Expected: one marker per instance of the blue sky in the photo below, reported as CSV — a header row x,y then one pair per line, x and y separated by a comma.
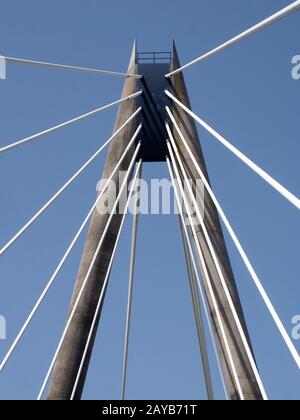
x,y
245,92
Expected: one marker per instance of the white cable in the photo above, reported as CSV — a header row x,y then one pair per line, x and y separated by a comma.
x,y
204,303
73,120
209,321
130,288
207,277
249,266
197,310
218,267
66,329
265,23
101,298
67,67
64,187
264,175
62,262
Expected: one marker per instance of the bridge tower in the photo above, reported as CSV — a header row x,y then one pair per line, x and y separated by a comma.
x,y
153,67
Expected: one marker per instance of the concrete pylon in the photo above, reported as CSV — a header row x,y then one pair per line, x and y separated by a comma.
x,y
70,356
245,373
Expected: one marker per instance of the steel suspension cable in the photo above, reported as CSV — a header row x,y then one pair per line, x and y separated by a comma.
x,y
206,274
282,330
62,262
68,67
205,306
102,295
217,265
265,23
66,123
66,185
206,311
259,171
66,329
198,317
130,288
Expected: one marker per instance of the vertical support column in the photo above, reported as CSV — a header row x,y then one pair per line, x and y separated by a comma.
x,y
188,128
70,356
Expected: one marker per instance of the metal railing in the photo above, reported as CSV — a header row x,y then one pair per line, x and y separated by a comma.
x,y
154,57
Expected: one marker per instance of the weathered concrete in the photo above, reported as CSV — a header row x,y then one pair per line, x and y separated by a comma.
x,y
69,358
244,370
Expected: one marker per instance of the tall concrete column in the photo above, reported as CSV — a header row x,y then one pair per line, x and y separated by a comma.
x,y
70,356
245,373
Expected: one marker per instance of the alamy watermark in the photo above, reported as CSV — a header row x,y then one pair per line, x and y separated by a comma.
x,y
2,328
2,68
296,328
296,67
154,197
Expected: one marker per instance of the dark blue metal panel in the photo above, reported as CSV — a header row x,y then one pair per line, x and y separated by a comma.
x,y
153,101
